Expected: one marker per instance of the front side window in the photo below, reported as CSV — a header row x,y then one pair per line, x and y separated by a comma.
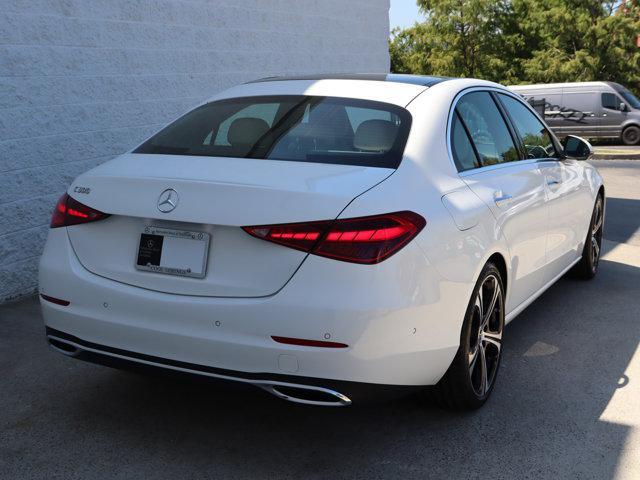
x,y
292,128
487,128
537,140
610,101
630,98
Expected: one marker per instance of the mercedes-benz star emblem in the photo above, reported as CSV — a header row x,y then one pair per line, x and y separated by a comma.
x,y
168,200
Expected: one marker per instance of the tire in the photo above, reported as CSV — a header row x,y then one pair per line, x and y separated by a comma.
x,y
631,135
464,387
587,267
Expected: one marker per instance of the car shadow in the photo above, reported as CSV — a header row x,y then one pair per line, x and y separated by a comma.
x,y
565,359
622,220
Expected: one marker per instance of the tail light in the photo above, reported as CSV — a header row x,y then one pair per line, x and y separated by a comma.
x,y
366,240
69,211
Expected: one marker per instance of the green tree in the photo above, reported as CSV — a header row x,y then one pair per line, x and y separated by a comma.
x,y
519,41
407,50
466,37
578,40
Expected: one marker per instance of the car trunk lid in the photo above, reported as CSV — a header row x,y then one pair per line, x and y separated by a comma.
x,y
213,196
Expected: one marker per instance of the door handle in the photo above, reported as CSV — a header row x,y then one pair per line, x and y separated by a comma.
x,y
553,181
502,199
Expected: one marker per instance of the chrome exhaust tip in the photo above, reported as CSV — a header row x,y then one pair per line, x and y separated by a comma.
x,y
307,394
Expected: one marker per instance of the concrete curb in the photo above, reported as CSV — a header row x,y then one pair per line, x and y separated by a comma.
x,y
616,152
614,156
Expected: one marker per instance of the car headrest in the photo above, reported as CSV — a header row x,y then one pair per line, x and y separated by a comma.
x,y
246,131
375,136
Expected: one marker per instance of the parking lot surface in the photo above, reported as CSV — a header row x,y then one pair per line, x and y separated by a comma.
x,y
567,402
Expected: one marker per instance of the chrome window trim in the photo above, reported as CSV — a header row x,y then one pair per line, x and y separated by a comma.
x,y
487,168
497,166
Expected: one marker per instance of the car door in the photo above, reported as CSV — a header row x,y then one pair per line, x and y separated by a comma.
x,y
563,184
510,186
580,107
611,118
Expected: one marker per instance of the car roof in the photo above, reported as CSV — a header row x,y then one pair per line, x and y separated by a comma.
x,y
421,80
387,88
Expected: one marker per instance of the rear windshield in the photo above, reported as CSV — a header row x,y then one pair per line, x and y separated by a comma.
x,y
292,128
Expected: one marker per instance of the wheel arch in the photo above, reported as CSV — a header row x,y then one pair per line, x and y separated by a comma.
x,y
602,192
501,259
631,122
625,126
501,264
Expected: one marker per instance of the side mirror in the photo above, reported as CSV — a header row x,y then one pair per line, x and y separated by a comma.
x,y
576,148
623,107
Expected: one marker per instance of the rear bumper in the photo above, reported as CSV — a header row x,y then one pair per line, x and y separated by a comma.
x,y
403,332
309,391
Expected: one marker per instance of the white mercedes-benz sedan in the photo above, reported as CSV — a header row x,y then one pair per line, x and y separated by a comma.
x,y
324,238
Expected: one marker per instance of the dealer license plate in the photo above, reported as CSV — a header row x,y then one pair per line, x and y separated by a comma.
x,y
173,252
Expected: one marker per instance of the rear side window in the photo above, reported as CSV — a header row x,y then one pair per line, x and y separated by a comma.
x,y
610,101
535,137
487,129
464,155
290,127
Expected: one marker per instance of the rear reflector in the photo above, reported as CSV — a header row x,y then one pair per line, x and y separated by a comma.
x,y
366,240
55,300
309,343
69,211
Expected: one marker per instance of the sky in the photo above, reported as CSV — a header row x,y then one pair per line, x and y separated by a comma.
x,y
403,13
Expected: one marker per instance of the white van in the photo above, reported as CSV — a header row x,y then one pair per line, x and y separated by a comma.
x,y
594,110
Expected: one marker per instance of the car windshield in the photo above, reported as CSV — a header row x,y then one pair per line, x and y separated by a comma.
x,y
630,98
288,127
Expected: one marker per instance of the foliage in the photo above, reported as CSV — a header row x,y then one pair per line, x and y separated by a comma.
x,y
522,41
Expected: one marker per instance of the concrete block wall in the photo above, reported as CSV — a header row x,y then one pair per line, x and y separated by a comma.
x,y
84,80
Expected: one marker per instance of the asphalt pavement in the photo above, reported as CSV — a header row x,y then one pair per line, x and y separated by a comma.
x,y
566,405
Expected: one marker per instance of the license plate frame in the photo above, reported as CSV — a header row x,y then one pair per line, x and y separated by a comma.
x,y
149,254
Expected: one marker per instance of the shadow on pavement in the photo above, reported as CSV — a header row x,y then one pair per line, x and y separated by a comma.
x,y
622,220
564,359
